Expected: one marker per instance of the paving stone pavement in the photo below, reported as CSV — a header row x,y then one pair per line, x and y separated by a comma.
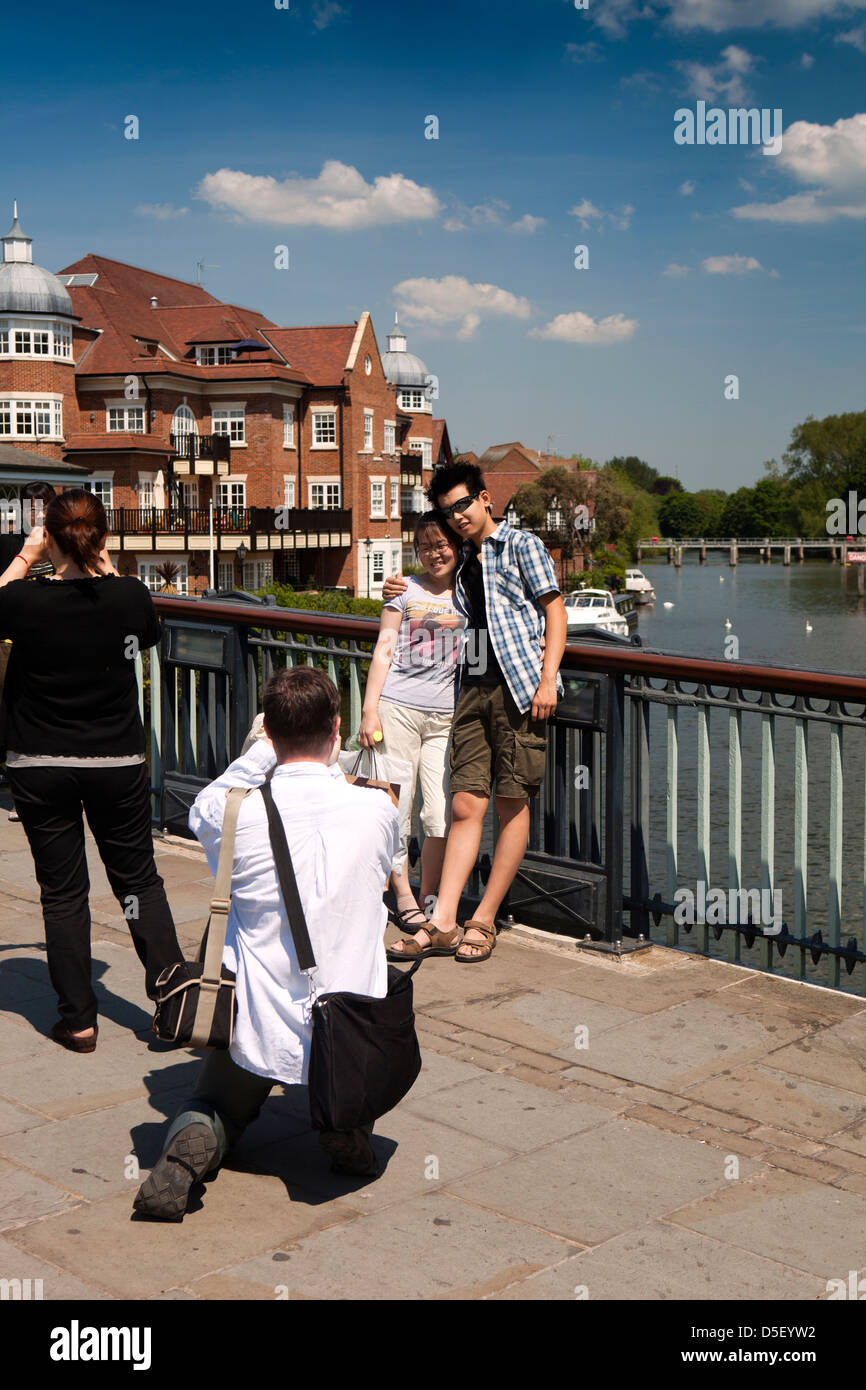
x,y
662,1127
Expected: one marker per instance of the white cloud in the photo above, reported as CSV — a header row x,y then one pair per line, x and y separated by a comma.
x,y
832,159
325,12
463,218
676,272
339,198
687,188
724,80
528,224
162,211
453,299
800,207
716,16
730,265
587,213
855,37
807,61
581,328
589,52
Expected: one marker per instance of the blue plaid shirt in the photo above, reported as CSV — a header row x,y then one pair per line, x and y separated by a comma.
x,y
517,571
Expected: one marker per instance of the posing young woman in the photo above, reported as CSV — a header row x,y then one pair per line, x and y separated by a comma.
x,y
75,742
409,701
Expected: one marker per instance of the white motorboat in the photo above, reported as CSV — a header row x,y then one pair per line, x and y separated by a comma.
x,y
636,583
586,609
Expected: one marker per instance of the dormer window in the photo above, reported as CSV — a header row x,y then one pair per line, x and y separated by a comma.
x,y
411,400
214,356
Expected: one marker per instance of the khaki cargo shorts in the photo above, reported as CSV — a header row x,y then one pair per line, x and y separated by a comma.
x,y
491,741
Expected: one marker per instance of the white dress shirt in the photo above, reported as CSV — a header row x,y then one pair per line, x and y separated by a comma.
x,y
342,840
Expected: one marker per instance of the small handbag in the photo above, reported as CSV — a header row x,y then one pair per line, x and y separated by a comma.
x,y
195,1000
357,779
364,1056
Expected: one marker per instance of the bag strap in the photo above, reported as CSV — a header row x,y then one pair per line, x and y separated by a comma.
x,y
288,882
357,763
215,932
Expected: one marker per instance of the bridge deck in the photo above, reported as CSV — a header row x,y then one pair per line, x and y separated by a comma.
x,y
520,1167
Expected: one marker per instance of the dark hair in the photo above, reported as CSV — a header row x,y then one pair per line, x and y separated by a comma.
x,y
434,520
76,522
300,705
38,492
449,475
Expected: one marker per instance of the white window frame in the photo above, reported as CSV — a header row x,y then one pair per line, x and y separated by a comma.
x,y
389,437
317,413
377,491
102,486
183,421
395,497
14,403
377,560
368,432
232,415
414,399
289,484
225,488
190,493
128,411
288,427
225,576
149,577
257,573
330,485
424,447
214,355
58,345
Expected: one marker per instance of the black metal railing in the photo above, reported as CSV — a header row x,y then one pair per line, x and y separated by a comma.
x,y
183,522
201,446
658,767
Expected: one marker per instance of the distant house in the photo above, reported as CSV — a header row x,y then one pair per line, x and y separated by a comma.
x,y
506,467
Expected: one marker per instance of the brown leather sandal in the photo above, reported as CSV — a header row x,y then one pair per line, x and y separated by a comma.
x,y
489,934
442,943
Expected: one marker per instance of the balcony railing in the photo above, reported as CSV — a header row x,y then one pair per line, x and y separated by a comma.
x,y
201,446
183,522
700,748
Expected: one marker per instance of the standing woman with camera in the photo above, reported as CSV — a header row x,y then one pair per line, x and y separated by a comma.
x,y
76,745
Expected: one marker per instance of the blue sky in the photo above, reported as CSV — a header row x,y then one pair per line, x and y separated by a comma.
x,y
305,127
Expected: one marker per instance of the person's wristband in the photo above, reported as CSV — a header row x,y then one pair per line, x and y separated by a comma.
x,y
19,556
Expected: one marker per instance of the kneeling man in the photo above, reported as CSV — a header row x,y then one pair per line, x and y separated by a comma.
x,y
343,840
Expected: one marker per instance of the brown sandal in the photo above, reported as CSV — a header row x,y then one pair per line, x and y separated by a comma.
x,y
489,934
442,943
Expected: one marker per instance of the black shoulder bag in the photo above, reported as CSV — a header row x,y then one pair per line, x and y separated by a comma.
x,y
365,1056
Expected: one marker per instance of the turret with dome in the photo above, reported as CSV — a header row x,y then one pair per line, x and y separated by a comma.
x,y
26,288
406,371
37,372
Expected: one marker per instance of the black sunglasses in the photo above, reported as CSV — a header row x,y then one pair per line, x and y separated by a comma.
x,y
462,506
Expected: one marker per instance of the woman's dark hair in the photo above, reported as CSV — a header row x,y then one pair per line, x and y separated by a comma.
x,y
300,704
38,492
77,524
434,521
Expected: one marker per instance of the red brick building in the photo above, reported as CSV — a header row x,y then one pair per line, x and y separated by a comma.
x,y
304,448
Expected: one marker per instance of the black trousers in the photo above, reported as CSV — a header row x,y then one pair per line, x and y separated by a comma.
x,y
116,800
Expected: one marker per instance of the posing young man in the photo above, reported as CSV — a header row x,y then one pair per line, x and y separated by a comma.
x,y
506,588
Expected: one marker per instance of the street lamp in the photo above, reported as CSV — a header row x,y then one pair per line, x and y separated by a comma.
x,y
241,553
369,546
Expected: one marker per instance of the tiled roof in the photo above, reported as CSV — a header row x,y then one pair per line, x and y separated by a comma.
x,y
320,352
13,457
496,455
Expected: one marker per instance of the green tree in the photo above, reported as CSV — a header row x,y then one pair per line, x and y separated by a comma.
x,y
643,475
559,502
680,516
831,452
